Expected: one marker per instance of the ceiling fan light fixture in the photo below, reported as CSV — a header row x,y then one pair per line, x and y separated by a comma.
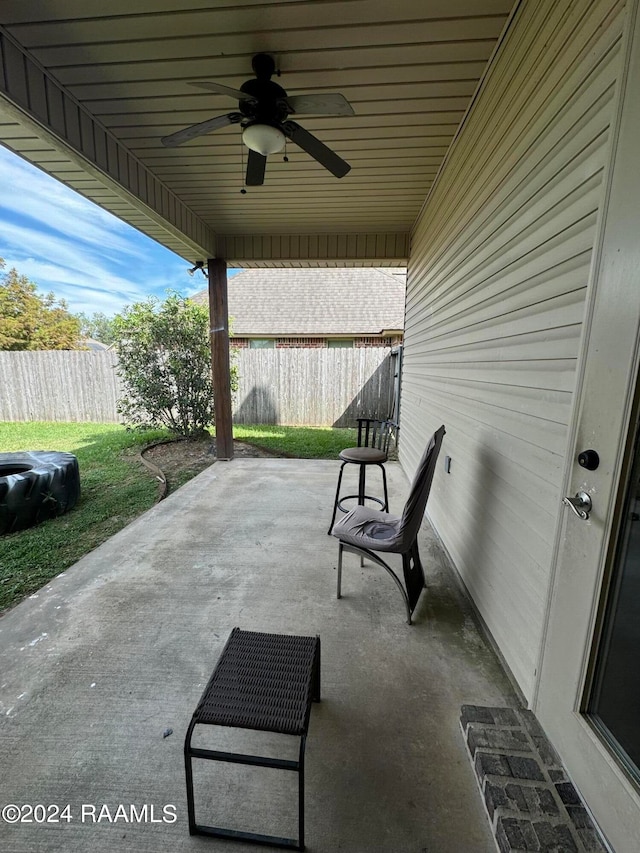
x,y
263,138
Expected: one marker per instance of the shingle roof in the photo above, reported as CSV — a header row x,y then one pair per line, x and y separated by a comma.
x,y
291,302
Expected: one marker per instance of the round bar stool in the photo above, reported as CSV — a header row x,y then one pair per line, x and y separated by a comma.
x,y
373,448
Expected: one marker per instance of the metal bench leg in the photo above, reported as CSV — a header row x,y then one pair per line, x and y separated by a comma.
x,y
257,761
191,812
303,743
316,674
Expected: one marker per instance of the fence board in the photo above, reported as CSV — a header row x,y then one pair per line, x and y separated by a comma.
x,y
322,387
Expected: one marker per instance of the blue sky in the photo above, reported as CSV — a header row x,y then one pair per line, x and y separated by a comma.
x,y
66,244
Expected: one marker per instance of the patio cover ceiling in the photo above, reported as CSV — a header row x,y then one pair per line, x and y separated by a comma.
x,y
88,89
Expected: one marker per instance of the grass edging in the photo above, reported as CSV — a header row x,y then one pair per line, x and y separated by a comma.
x,y
158,473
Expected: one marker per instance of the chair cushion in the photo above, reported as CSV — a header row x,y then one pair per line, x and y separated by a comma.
x,y
371,528
363,455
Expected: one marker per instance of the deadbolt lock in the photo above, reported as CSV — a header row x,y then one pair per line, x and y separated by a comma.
x,y
589,459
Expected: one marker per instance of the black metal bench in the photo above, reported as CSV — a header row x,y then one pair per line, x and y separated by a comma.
x,y
264,682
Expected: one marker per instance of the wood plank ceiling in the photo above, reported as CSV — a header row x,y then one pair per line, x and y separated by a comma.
x,y
408,67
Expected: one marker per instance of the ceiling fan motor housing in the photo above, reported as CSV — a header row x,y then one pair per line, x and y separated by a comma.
x,y
268,104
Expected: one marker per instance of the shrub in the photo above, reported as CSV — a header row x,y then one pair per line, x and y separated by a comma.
x,y
165,365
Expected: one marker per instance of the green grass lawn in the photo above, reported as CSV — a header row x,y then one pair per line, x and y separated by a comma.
x,y
116,488
298,442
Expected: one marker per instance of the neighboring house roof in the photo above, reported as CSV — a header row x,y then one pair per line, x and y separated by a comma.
x,y
292,302
90,343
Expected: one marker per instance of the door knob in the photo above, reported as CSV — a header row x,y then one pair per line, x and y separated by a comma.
x,y
581,505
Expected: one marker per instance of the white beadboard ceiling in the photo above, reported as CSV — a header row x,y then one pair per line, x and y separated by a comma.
x,y
408,67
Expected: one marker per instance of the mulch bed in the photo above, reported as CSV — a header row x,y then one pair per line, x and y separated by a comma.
x,y
167,459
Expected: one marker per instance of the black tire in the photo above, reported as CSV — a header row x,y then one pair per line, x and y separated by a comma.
x,y
36,485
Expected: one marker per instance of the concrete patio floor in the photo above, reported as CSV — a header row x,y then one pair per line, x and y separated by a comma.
x,y
98,665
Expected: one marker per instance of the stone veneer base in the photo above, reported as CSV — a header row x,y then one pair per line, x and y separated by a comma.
x,y
530,802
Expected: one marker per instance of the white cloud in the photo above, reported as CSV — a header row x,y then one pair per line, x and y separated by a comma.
x,y
28,192
69,245
81,288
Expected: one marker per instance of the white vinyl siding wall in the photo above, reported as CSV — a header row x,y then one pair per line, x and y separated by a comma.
x,y
495,299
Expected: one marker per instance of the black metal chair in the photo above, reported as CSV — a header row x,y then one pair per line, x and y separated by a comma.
x,y
374,437
364,531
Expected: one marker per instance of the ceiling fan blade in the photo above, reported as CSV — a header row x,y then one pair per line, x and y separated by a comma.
x,y
219,89
195,130
330,104
256,164
318,150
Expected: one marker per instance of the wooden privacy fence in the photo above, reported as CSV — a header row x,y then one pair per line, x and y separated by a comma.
x,y
313,386
321,387
58,386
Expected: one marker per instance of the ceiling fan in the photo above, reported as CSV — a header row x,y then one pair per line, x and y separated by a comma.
x,y
264,109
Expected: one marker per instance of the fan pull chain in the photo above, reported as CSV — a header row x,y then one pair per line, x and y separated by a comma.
x,y
285,158
243,191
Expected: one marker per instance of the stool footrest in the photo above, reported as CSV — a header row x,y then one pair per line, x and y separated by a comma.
x,y
361,499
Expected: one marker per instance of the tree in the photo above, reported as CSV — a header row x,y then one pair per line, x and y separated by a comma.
x,y
32,321
97,326
164,361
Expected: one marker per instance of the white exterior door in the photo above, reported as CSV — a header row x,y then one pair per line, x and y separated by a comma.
x,y
587,697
